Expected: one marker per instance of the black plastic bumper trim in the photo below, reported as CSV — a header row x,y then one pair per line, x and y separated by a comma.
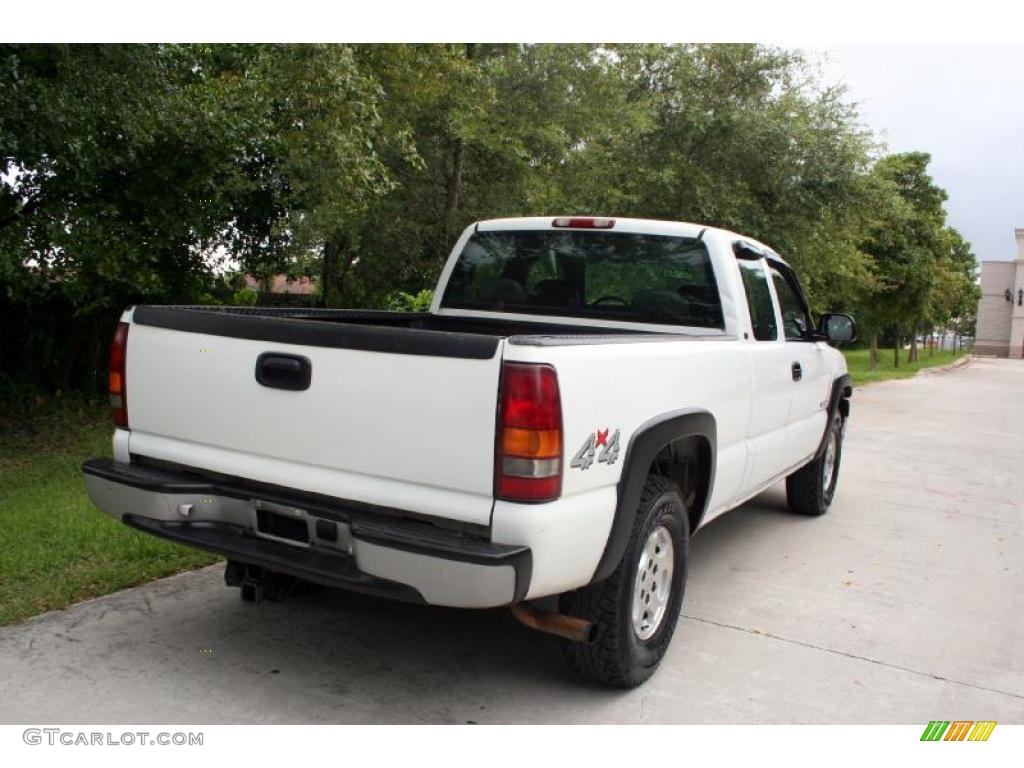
x,y
316,565
168,477
147,478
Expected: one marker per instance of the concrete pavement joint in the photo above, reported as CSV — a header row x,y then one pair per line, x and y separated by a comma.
x,y
850,656
861,496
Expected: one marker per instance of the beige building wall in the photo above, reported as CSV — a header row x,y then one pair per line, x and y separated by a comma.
x,y
1017,323
994,313
1001,322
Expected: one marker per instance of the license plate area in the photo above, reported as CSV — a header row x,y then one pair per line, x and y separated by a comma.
x,y
280,525
295,526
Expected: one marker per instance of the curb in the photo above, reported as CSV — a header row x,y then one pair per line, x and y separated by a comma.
x,y
937,370
940,370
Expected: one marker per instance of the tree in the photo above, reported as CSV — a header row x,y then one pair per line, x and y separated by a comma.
x,y
955,292
115,184
129,168
925,270
494,129
743,137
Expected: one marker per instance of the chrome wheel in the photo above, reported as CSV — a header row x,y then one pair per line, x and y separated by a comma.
x,y
652,585
830,461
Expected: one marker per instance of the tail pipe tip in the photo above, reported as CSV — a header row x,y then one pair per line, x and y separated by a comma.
x,y
569,627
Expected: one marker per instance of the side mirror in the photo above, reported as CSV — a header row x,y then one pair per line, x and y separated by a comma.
x,y
837,327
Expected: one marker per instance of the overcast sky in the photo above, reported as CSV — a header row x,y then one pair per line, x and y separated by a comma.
x,y
964,104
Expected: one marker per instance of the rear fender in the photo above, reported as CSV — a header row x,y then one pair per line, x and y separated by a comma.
x,y
644,446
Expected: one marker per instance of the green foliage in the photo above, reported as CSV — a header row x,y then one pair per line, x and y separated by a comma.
x,y
924,270
132,169
245,297
136,173
410,302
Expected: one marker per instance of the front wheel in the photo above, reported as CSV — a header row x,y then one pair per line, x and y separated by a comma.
x,y
810,489
634,611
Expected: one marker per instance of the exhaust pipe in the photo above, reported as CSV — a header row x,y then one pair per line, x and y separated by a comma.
x,y
569,627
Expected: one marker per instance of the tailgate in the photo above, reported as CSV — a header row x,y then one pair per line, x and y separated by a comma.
x,y
410,428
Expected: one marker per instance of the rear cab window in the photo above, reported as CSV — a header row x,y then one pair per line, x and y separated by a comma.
x,y
622,276
759,299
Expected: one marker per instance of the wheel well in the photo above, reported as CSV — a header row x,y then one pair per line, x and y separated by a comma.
x,y
661,445
687,463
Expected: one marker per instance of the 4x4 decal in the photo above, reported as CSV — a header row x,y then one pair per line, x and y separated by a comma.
x,y
609,449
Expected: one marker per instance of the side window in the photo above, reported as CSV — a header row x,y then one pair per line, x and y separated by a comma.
x,y
759,299
795,322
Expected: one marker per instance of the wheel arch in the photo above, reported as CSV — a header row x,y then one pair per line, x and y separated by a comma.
x,y
650,441
838,402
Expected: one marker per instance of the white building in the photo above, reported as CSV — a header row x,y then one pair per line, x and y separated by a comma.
x,y
1001,309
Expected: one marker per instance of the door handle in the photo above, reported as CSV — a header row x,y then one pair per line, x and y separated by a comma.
x,y
282,371
798,372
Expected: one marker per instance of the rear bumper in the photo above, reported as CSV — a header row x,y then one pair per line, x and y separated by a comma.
x,y
323,542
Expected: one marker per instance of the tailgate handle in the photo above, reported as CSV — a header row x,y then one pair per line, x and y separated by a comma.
x,y
280,371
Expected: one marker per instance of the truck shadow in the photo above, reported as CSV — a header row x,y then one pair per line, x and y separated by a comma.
x,y
368,659
767,510
731,542
382,656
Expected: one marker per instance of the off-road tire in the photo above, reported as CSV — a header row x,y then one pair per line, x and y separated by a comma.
x,y
616,655
806,489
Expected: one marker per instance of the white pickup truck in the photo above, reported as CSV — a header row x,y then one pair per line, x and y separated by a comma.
x,y
583,394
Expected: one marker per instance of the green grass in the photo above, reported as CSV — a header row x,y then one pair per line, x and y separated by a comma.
x,y
859,363
55,547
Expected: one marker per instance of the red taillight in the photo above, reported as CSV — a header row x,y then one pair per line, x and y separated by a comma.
x,y
116,379
528,454
583,222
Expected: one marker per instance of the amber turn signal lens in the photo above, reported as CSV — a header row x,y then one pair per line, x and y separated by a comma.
x,y
531,443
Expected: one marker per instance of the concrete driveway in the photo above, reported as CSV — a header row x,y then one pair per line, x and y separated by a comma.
x,y
904,604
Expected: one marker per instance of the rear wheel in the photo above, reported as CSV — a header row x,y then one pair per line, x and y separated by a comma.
x,y
634,611
810,489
